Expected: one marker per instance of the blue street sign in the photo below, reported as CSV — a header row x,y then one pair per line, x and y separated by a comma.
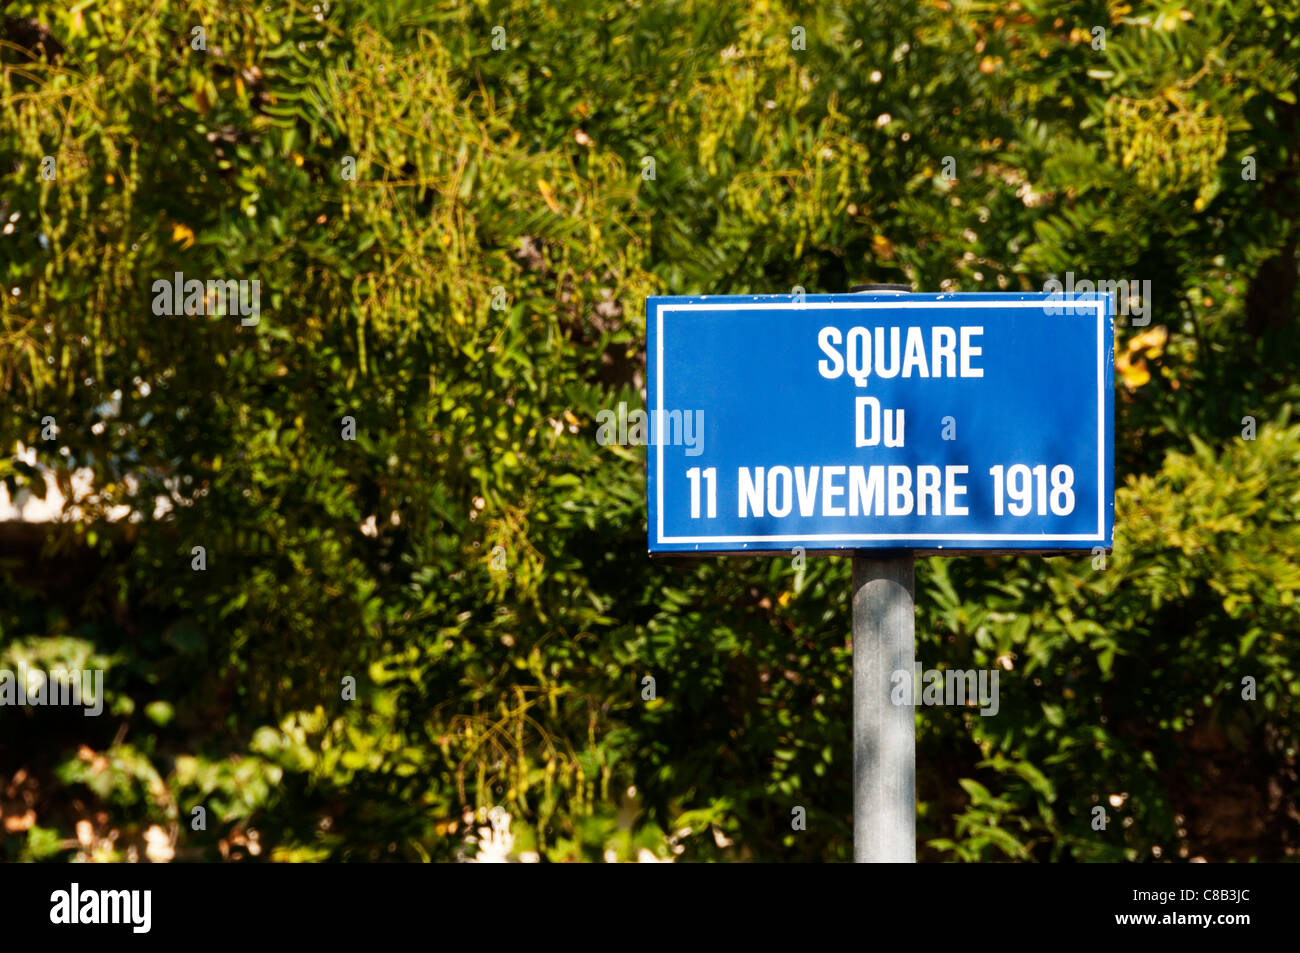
x,y
881,421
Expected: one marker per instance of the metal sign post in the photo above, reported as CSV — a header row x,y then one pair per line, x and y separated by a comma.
x,y
881,423
884,734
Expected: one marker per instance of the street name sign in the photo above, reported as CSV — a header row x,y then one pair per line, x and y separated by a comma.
x,y
880,421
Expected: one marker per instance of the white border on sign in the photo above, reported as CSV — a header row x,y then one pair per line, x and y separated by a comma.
x,y
851,537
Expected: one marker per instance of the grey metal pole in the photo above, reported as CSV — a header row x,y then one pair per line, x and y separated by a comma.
x,y
884,734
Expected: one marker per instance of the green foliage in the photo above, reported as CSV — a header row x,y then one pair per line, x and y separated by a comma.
x,y
474,561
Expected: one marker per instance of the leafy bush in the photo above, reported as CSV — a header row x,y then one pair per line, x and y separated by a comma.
x,y
453,244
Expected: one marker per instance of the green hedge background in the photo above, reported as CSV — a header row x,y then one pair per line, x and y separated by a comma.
x,y
476,561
